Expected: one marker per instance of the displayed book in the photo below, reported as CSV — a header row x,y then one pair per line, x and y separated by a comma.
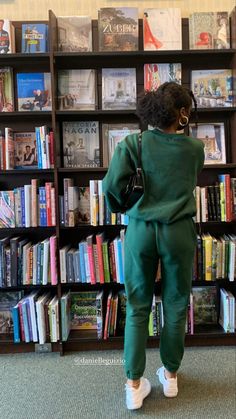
x,y
34,91
205,305
81,144
227,317
118,29
25,150
7,37
209,30
34,38
74,33
7,302
112,134
84,205
65,315
83,310
77,89
7,215
118,88
9,149
6,90
213,136
157,74
162,29
213,88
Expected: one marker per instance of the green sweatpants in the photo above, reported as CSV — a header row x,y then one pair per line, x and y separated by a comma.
x,y
146,243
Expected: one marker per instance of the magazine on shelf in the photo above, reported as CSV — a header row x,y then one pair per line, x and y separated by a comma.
x,y
118,88
25,150
74,33
77,89
213,136
209,30
34,92
157,74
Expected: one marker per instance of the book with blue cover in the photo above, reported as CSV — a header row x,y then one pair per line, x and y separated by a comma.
x,y
34,38
34,92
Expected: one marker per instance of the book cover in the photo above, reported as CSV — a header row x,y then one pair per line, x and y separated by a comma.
x,y
7,214
74,33
213,136
84,205
7,301
34,91
213,88
115,136
10,152
205,305
162,29
83,310
118,29
118,88
25,150
34,38
6,90
7,37
156,74
81,144
209,30
77,89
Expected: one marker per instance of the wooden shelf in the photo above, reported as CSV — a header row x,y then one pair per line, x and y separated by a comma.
x,y
82,169
30,172
26,229
26,287
25,115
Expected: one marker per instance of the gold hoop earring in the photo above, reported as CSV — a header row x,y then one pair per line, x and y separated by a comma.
x,y
186,123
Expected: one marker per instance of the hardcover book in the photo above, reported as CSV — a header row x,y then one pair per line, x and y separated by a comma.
x,y
7,301
209,30
118,88
118,29
213,88
84,205
83,310
156,74
6,90
34,91
7,37
213,136
74,33
7,214
81,144
162,29
205,305
25,150
77,89
34,38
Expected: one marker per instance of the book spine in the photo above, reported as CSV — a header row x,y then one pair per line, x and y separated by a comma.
x,y
16,324
48,186
53,261
99,241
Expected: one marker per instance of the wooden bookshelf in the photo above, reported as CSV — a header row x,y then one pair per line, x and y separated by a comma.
x,y
54,61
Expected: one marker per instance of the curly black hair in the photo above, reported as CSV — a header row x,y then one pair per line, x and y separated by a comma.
x,y
159,108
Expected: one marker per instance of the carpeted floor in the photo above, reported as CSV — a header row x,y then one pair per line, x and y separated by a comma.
x,y
38,386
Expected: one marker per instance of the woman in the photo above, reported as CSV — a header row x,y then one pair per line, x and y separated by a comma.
x,y
160,228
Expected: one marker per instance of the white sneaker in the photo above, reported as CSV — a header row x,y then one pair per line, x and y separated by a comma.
x,y
170,385
135,396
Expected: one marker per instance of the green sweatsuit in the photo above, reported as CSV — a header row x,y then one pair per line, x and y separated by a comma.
x,y
160,227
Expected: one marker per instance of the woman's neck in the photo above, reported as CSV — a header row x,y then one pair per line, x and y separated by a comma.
x,y
169,130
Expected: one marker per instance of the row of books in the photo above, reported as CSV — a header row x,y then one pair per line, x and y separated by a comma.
x,y
118,30
25,263
26,150
28,206
86,205
93,260
217,202
77,89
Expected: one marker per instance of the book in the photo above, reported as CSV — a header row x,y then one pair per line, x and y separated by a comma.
x,y
205,305
118,29
6,90
9,148
113,134
213,136
83,310
77,89
34,38
209,30
156,74
25,150
213,88
7,301
84,205
34,91
81,144
74,33
7,37
162,29
118,88
7,216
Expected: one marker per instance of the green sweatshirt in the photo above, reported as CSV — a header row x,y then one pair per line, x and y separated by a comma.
x,y
170,162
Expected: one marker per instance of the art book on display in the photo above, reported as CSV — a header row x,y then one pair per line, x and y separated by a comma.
x,y
74,33
25,150
162,29
209,30
81,144
118,29
83,310
6,90
7,301
77,89
156,74
213,136
7,214
34,38
205,305
118,88
84,205
213,88
34,91
7,37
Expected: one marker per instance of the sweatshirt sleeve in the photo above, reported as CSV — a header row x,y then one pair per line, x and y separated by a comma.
x,y
117,177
